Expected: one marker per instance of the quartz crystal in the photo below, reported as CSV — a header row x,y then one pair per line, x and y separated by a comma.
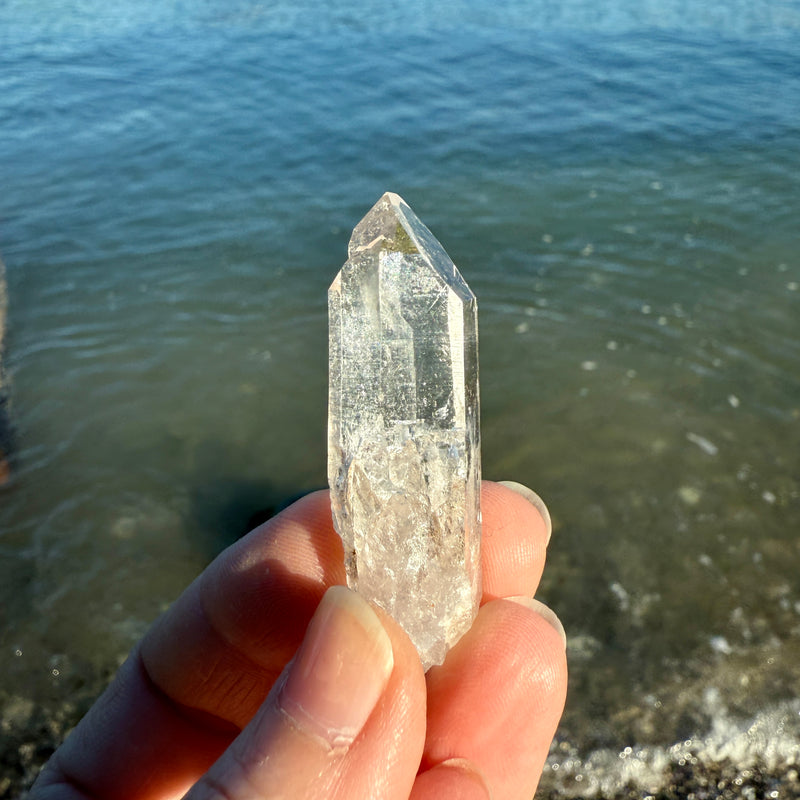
x,y
403,427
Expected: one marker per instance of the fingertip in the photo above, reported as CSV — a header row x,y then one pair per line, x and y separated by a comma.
x,y
498,697
340,671
408,671
454,779
544,611
535,500
318,713
514,543
385,759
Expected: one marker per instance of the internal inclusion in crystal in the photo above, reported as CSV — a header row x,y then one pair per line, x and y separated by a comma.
x,y
403,427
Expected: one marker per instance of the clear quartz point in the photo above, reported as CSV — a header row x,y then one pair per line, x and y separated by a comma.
x,y
404,462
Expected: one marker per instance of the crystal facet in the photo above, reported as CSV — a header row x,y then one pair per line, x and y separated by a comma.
x,y
403,427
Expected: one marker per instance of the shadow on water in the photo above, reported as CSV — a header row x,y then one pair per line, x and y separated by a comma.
x,y
222,510
7,438
225,507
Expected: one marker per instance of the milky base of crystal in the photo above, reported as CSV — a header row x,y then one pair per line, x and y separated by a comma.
x,y
403,428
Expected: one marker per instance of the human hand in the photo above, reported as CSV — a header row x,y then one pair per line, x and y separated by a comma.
x,y
218,701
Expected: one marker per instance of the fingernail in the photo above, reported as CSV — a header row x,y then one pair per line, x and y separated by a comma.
x,y
340,670
455,777
543,611
471,782
534,500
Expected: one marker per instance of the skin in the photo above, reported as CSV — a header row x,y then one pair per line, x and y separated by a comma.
x,y
215,700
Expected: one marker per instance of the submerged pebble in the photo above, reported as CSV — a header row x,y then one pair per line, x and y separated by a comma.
x,y
690,495
704,444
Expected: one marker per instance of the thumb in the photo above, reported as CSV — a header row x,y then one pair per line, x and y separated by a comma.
x,y
310,729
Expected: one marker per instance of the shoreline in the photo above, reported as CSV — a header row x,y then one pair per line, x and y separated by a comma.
x,y
735,759
754,758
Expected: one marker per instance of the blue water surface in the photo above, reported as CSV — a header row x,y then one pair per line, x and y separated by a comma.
x,y
618,185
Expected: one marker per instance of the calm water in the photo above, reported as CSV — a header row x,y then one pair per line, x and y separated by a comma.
x,y
619,188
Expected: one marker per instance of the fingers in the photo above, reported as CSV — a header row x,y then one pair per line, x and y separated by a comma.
x,y
245,616
497,699
514,540
331,725
207,665
495,703
456,779
134,744
243,619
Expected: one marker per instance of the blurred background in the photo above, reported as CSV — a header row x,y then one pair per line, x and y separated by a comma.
x,y
618,183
